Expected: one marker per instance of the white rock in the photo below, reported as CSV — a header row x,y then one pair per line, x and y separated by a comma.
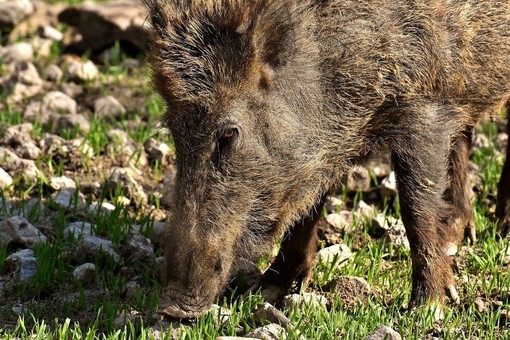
x,y
501,141
17,52
121,177
269,332
157,230
5,179
124,320
156,150
334,204
78,230
33,112
50,32
62,182
29,170
105,207
90,247
132,288
80,71
341,221
21,128
384,333
396,233
72,121
56,102
357,179
69,198
53,73
362,209
13,11
22,143
139,248
168,188
18,308
108,107
480,305
300,300
85,273
389,186
18,230
25,83
27,74
220,314
83,146
41,46
119,136
11,162
268,312
339,253
121,200
23,263
481,141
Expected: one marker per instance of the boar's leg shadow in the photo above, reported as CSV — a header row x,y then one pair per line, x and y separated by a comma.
x,y
420,151
296,257
459,193
503,205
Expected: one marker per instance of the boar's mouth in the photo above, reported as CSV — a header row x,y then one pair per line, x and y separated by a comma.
x,y
181,304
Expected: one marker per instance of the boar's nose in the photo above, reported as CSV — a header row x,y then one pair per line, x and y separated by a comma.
x,y
194,267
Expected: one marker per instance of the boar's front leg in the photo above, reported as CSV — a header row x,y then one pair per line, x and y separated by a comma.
x,y
503,205
296,258
459,193
420,151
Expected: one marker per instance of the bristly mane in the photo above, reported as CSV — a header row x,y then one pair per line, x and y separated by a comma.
x,y
200,45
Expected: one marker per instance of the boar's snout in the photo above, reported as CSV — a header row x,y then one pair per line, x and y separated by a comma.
x,y
178,302
193,281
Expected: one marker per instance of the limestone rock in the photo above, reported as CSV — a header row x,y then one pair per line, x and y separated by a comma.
x,y
18,230
384,333
13,11
108,108
85,273
22,265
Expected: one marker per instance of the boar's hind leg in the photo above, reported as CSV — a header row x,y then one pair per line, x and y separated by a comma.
x,y
503,205
420,156
459,193
295,259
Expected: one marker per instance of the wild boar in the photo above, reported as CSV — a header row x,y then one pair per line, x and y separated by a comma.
x,y
270,101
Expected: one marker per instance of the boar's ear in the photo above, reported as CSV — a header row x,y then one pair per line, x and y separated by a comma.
x,y
162,13
275,31
158,12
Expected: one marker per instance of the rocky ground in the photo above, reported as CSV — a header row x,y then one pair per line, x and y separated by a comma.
x,y
86,176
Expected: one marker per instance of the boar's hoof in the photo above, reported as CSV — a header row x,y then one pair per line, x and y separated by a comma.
x,y
182,305
452,293
504,226
437,306
433,280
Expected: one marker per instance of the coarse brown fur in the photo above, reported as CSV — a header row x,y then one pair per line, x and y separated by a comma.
x,y
270,101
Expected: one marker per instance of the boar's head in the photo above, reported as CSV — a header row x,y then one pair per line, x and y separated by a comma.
x,y
242,88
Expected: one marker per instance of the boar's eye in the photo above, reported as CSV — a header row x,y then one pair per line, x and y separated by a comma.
x,y
227,136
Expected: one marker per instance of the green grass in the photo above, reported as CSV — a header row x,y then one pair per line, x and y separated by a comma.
x,y
54,306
